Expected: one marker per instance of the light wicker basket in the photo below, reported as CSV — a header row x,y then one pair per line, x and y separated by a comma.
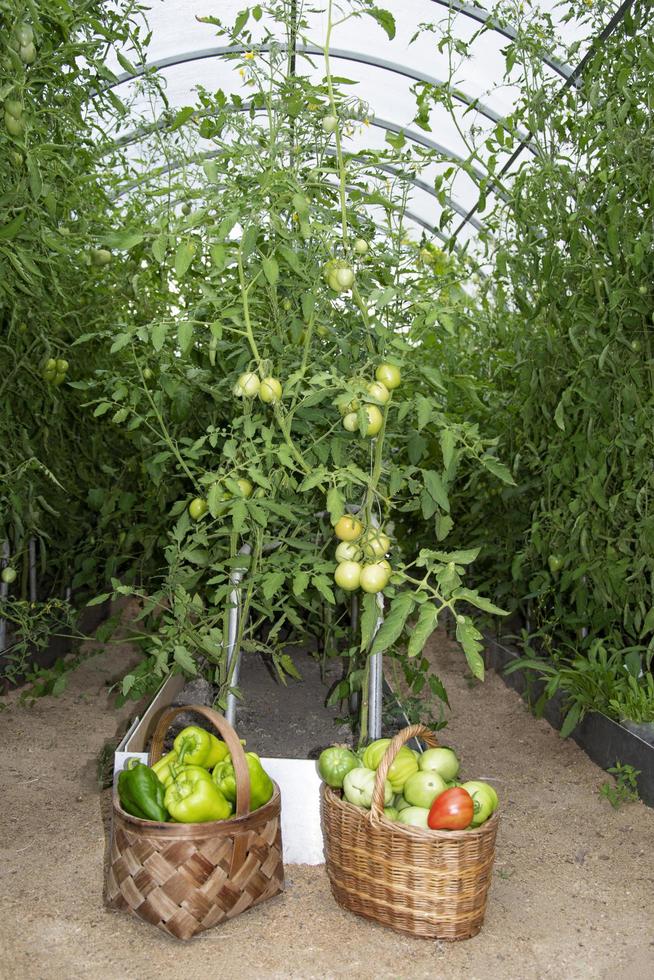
x,y
429,883
185,878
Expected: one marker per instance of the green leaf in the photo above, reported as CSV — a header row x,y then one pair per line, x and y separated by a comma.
x,y
270,270
323,585
559,417
184,658
121,340
102,409
498,469
469,638
385,20
185,335
300,583
571,720
425,626
447,440
394,622
183,258
473,597
159,248
272,583
458,557
436,489
183,116
335,504
648,624
11,229
158,335
123,241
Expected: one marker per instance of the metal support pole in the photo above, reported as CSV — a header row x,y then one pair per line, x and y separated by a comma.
x,y
32,569
4,592
376,680
233,649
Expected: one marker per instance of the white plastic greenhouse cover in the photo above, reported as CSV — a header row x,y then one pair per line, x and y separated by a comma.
x,y
187,54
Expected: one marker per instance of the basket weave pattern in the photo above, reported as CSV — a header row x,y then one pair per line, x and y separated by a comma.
x,y
432,884
185,878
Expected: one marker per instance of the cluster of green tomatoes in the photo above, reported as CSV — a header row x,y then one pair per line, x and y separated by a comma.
x,y
14,122
54,370
198,507
22,41
361,556
387,378
249,385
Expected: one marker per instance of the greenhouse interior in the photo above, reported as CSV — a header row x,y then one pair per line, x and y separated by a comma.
x,y
326,549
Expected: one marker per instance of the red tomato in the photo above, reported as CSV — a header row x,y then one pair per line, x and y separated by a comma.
x,y
452,810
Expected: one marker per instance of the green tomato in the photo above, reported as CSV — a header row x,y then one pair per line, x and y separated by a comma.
x,y
374,578
186,208
379,392
346,551
361,246
286,304
245,487
14,126
555,563
484,799
24,34
422,788
345,278
197,508
404,763
477,784
351,422
270,391
359,785
100,256
248,385
391,813
389,375
14,108
335,763
375,543
414,816
348,575
329,124
59,378
440,760
148,374
27,53
375,420
8,575
51,364
62,365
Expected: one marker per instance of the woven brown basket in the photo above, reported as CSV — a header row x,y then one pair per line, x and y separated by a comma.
x,y
432,883
185,878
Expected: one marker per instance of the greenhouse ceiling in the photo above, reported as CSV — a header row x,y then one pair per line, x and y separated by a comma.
x,y
484,89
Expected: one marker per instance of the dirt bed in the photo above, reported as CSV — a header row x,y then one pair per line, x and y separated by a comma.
x,y
572,893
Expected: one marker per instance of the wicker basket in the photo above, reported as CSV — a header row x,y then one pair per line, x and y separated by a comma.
x,y
432,883
185,878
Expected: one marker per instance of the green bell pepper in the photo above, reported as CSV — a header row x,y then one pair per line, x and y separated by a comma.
x,y
192,798
141,793
197,747
261,786
163,767
177,770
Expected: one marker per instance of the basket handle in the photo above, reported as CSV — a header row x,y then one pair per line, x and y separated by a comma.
x,y
413,731
231,739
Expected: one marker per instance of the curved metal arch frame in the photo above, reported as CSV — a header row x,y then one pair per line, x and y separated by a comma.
x,y
213,153
483,16
337,53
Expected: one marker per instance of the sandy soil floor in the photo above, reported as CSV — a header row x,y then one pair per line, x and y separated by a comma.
x,y
572,894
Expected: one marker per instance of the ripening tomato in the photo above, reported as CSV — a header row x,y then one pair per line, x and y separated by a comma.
x,y
345,278
389,375
452,810
379,392
197,508
348,528
247,385
346,551
348,575
270,391
375,420
374,577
